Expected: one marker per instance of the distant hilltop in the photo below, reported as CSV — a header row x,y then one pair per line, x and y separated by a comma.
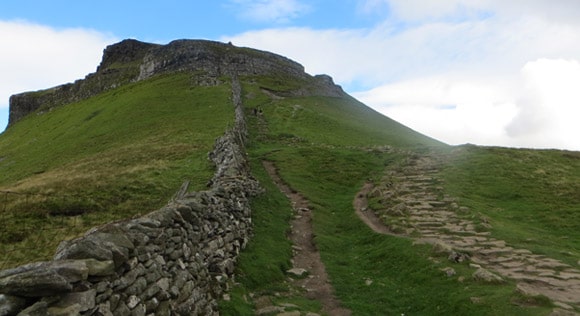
x,y
131,60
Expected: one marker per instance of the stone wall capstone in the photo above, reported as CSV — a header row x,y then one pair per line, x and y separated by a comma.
x,y
173,261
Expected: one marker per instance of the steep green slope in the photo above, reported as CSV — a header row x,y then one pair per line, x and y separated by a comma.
x,y
337,121
117,154
164,111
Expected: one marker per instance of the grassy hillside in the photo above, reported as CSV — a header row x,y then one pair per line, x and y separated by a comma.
x,y
531,197
324,120
326,148
118,154
126,151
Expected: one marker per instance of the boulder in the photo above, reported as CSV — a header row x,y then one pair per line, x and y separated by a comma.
x,y
100,268
11,305
39,308
81,301
43,278
298,272
35,284
99,246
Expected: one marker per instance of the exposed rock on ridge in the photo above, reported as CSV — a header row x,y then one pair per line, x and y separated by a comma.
x,y
131,61
120,65
215,59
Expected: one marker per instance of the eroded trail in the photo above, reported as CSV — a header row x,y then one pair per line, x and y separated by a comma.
x,y
414,205
306,259
368,216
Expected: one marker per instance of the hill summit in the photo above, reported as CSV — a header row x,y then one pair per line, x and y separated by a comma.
x,y
131,61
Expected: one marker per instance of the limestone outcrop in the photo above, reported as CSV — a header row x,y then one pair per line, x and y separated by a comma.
x,y
131,61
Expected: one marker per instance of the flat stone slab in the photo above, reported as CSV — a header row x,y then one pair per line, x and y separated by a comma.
x,y
43,278
297,272
495,251
567,275
551,263
428,224
571,296
512,264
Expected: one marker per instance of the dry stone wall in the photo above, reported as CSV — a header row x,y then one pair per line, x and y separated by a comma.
x,y
173,261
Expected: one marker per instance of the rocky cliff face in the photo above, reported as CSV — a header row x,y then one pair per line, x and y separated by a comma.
x,y
131,61
120,65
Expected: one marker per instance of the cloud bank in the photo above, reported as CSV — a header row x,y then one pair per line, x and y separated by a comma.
x,y
37,57
480,71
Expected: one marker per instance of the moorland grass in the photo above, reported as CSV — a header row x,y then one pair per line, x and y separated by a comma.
x,y
121,153
531,197
329,121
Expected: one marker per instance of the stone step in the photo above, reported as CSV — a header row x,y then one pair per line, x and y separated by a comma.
x,y
458,228
512,264
522,251
493,243
500,259
446,213
427,218
437,203
478,239
463,243
568,275
495,251
427,224
551,263
420,212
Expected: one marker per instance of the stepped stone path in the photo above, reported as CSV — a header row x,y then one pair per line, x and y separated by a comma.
x,y
308,270
414,206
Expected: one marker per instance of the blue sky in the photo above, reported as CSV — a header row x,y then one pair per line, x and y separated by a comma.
x,y
488,72
162,21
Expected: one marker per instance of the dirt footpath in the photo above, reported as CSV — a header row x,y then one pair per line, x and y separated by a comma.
x,y
307,266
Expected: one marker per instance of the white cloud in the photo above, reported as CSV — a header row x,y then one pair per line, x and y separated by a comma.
x,y
537,108
562,11
37,57
385,53
447,107
277,11
549,106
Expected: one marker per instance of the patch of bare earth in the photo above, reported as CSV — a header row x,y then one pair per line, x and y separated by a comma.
x,y
308,270
414,206
367,215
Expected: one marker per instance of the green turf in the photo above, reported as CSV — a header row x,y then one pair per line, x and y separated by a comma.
x,y
532,197
115,155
